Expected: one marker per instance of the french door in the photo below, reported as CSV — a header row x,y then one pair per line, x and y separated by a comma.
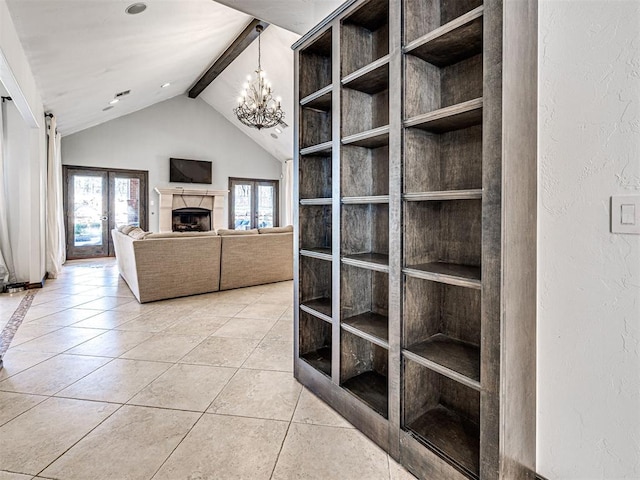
x,y
98,200
253,203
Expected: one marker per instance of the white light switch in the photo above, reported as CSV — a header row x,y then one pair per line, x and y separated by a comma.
x,y
625,214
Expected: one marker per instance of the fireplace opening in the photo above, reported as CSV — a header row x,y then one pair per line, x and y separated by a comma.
x,y
191,220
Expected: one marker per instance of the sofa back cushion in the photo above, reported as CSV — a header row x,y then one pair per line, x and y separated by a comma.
x,y
210,233
227,232
287,229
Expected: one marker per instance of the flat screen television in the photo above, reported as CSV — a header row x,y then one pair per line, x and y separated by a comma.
x,y
189,171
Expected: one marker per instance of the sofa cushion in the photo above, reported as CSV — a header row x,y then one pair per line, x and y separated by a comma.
x,y
287,229
210,233
138,234
126,229
228,232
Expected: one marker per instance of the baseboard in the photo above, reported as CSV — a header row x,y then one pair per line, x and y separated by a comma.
x,y
540,477
39,284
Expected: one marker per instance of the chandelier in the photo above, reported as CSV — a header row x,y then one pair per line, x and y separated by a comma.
x,y
256,106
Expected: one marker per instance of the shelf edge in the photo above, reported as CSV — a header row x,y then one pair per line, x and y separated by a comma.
x,y
364,70
470,194
316,313
318,255
378,267
443,278
366,336
441,369
457,109
444,29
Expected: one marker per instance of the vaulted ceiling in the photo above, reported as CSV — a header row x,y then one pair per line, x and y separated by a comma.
x,y
82,53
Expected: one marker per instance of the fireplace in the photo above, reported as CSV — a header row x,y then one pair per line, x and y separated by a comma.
x,y
183,201
191,220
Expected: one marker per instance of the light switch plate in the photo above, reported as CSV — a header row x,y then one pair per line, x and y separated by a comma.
x,y
625,214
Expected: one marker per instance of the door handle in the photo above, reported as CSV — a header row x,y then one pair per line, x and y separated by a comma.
x,y
104,218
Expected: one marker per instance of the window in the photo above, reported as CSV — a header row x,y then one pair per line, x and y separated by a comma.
x,y
253,203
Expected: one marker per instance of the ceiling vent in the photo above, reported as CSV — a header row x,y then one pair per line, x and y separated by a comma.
x,y
122,94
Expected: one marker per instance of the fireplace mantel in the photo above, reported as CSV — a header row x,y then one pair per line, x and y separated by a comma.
x,y
172,198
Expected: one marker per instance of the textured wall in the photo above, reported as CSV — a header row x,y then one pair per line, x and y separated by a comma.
x,y
589,279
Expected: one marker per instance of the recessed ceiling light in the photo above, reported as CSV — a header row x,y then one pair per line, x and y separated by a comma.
x,y
107,108
114,101
165,85
136,8
278,130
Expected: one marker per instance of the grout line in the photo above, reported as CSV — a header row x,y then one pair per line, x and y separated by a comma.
x,y
284,438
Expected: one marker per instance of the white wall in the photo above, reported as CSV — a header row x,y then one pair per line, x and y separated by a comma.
x,y
589,279
179,127
29,150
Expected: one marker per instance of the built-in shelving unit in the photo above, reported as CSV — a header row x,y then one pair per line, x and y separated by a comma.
x,y
415,171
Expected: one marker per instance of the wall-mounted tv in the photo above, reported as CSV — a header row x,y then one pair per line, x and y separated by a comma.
x,y
189,171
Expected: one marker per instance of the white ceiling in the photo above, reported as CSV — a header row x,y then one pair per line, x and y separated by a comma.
x,y
82,52
298,16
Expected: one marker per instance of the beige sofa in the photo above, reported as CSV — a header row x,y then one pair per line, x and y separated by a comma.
x,y
158,266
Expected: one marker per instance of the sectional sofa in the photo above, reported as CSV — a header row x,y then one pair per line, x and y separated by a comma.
x,y
158,266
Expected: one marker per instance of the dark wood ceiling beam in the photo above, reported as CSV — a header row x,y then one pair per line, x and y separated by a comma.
x,y
242,41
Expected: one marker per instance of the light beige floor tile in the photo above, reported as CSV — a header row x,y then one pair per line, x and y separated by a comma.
x,y
312,410
106,303
112,343
154,321
108,319
398,472
262,311
41,311
185,387
308,448
245,328
65,317
221,447
287,315
277,298
272,355
281,331
44,297
134,306
33,440
132,444
52,375
27,332
221,352
197,325
117,381
15,361
15,476
13,404
164,347
221,309
72,300
259,394
61,340
237,295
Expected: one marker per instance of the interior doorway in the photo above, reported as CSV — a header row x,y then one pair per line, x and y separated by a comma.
x,y
96,200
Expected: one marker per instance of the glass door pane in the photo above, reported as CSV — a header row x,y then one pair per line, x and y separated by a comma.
x,y
126,201
266,205
87,214
242,206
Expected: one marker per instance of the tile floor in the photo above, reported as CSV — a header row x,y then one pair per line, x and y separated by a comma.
x,y
97,386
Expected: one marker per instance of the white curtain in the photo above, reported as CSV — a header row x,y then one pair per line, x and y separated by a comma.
x,y
7,272
55,249
288,192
